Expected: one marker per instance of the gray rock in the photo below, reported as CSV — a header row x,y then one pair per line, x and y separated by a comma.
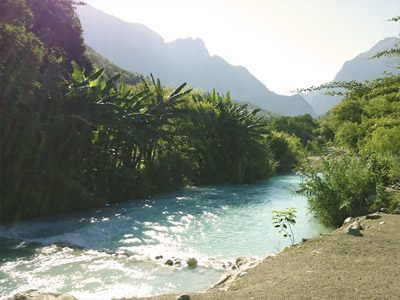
x,y
192,262
241,261
183,297
373,216
169,262
347,221
353,230
39,295
242,274
357,224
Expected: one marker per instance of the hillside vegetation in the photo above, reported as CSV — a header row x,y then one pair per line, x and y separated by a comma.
x,y
366,127
76,136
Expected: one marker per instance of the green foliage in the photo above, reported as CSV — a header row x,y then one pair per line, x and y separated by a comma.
x,y
229,139
303,127
285,219
366,124
58,27
77,138
21,53
360,119
286,149
349,186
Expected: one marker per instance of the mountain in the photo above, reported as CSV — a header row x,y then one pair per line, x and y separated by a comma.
x,y
136,48
360,68
111,69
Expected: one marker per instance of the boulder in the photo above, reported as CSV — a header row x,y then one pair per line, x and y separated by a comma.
x,y
347,221
354,229
373,216
192,262
183,297
40,295
169,262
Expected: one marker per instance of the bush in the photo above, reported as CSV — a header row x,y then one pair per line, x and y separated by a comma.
x,y
348,186
286,149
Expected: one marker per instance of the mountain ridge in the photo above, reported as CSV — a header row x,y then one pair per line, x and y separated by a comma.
x,y
137,48
360,68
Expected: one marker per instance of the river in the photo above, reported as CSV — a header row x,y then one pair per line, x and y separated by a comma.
x,y
118,244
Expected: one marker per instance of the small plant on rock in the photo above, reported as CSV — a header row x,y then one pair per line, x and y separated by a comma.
x,y
285,219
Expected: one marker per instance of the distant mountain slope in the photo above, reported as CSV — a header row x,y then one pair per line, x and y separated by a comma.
x,y
111,69
360,68
136,48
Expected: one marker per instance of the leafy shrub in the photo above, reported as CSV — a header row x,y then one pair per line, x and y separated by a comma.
x,y
286,149
348,186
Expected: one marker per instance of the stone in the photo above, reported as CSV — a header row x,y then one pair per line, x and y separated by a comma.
x,y
39,295
192,262
353,230
159,257
347,221
241,261
373,216
355,225
183,297
169,262
242,274
177,263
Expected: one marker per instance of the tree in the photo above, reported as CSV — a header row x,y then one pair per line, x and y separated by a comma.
x,y
58,27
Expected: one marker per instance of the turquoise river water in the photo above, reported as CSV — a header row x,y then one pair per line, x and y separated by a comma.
x,y
214,224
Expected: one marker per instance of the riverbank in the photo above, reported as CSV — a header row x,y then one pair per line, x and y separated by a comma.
x,y
333,266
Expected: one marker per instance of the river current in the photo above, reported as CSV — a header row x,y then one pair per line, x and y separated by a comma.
x,y
120,250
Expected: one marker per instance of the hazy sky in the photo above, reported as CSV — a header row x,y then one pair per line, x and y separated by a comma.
x,y
286,44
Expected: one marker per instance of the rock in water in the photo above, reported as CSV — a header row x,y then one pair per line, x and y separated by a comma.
x,y
39,295
169,262
192,262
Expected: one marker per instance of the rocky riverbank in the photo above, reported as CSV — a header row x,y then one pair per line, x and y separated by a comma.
x,y
339,265
356,261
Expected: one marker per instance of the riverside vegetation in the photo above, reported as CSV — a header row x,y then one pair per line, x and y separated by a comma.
x,y
75,137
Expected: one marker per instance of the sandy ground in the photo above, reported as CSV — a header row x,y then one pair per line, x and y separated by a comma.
x,y
333,266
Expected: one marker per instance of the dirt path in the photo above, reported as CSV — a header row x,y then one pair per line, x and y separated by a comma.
x,y
333,266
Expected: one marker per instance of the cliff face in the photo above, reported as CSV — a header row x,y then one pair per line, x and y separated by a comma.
x,y
137,48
